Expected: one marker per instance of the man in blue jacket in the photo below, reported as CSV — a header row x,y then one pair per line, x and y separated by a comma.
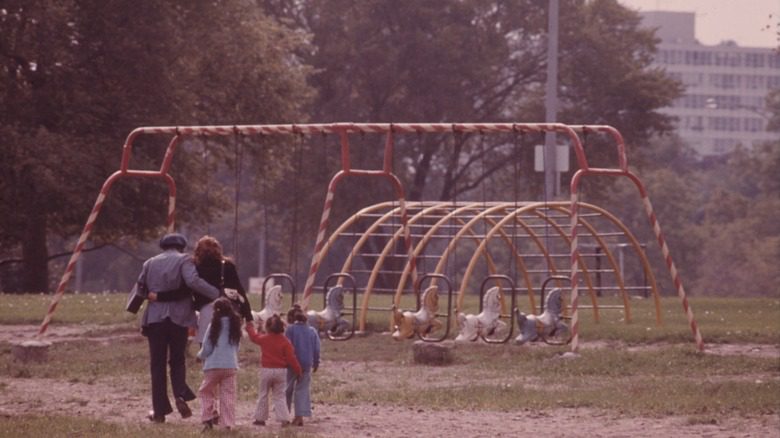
x,y
166,324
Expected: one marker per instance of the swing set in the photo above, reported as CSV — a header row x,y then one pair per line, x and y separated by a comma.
x,y
540,241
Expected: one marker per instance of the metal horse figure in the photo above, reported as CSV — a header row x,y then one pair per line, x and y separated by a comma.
x,y
329,319
486,322
422,322
548,324
273,306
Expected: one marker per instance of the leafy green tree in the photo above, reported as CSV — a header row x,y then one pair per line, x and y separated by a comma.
x,y
773,105
741,246
78,76
477,61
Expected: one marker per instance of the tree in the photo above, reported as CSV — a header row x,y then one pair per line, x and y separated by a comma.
x,y
78,76
477,61
773,105
741,248
472,61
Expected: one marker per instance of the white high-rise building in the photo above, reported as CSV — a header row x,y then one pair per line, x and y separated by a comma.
x,y
726,86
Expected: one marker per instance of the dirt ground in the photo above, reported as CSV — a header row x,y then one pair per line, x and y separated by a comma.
x,y
108,400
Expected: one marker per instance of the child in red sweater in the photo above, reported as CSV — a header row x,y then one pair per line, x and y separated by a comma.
x,y
277,354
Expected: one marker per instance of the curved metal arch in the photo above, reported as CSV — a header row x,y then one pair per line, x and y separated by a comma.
x,y
366,235
349,222
494,207
480,217
414,253
648,271
610,258
390,244
489,258
519,258
583,266
430,234
520,264
424,241
512,216
385,251
539,244
453,213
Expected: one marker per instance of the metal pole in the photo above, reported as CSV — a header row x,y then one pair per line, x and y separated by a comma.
x,y
261,257
552,181
80,275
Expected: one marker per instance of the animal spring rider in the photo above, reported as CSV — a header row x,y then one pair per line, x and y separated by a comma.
x,y
330,319
422,322
546,325
273,306
486,322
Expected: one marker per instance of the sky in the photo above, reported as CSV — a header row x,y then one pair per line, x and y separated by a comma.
x,y
751,23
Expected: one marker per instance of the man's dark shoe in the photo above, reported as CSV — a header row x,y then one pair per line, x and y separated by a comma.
x,y
182,407
155,418
259,423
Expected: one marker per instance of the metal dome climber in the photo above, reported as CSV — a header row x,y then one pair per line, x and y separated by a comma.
x,y
500,217
495,216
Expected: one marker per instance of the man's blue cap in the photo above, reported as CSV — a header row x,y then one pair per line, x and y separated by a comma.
x,y
173,240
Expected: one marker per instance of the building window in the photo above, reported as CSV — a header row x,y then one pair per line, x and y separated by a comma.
x,y
774,60
755,60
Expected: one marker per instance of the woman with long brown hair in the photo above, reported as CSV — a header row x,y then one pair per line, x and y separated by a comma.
x,y
220,271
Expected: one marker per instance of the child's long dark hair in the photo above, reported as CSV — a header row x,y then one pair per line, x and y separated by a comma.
x,y
223,307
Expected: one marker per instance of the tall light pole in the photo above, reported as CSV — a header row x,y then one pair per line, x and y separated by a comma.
x,y
552,180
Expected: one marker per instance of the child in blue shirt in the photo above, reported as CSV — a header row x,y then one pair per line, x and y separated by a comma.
x,y
306,342
219,353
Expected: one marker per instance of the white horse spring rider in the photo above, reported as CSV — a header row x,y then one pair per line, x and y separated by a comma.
x,y
422,321
329,318
548,322
273,306
486,322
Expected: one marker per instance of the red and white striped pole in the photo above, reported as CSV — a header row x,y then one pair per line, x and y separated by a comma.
x,y
308,289
79,248
672,270
575,320
387,170
408,240
76,253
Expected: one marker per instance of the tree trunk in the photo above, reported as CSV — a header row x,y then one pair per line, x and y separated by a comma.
x,y
35,255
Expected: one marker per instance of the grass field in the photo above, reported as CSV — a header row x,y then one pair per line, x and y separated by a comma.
x,y
722,320
665,376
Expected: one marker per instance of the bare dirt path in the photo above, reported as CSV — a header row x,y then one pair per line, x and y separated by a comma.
x,y
112,400
107,401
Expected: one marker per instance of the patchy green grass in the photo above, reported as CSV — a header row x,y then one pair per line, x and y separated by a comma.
x,y
721,320
92,308
662,381
82,308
